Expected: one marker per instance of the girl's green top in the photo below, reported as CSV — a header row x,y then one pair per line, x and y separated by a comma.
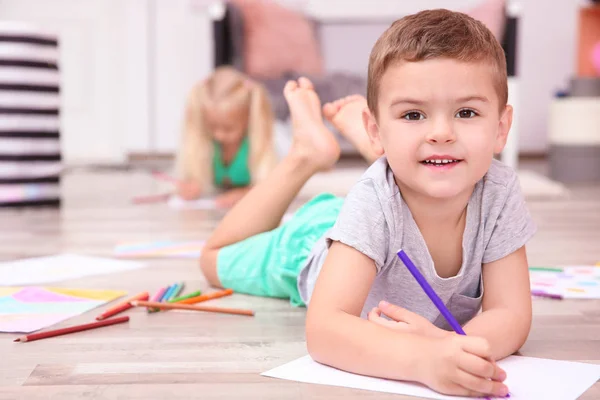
x,y
237,173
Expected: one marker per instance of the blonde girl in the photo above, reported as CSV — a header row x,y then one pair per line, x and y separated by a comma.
x,y
227,139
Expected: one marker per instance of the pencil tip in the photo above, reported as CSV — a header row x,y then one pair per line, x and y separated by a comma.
x,y
17,340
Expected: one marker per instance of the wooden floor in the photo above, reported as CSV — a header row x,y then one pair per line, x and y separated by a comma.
x,y
179,355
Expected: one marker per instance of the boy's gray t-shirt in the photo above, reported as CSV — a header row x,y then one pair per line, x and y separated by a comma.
x,y
376,221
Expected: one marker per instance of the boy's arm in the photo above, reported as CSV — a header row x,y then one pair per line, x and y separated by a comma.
x,y
337,336
335,333
506,318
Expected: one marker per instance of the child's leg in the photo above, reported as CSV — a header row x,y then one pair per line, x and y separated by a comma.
x,y
346,115
314,148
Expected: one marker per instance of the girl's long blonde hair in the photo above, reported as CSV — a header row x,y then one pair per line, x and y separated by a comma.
x,y
231,90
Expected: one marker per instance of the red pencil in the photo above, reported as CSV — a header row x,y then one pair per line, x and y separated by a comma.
x,y
71,329
122,306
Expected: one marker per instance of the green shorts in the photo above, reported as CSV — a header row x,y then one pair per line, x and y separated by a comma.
x,y
268,264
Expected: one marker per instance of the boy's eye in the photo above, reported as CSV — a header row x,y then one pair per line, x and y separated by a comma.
x,y
413,116
466,113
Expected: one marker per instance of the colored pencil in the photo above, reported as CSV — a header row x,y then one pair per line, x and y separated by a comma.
x,y
157,198
122,306
162,298
164,177
546,269
165,293
539,293
168,292
159,295
175,292
180,306
71,329
187,296
431,294
207,296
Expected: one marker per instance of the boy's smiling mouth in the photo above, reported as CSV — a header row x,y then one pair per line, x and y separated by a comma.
x,y
441,161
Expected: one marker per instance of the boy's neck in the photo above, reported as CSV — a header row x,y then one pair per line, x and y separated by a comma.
x,y
427,210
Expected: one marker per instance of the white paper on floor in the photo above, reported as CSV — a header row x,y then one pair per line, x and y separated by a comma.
x,y
60,267
527,378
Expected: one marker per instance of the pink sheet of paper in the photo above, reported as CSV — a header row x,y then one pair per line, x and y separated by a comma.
x,y
28,309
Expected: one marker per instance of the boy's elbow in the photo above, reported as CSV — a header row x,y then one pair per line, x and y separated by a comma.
x,y
525,320
317,337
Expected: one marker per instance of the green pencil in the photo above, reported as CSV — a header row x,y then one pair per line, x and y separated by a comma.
x,y
187,296
547,269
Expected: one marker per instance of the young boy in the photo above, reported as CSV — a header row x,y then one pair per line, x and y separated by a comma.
x,y
436,115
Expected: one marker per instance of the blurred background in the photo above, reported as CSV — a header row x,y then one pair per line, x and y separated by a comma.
x,y
121,69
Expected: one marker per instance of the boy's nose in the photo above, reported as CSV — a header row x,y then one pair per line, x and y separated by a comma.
x,y
441,132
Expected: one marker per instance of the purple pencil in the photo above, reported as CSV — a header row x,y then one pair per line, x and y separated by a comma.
x,y
431,294
539,293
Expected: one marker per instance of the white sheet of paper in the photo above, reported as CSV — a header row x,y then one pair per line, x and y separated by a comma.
x,y
60,267
177,202
528,378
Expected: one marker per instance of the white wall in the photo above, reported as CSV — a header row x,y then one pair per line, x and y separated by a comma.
x,y
547,61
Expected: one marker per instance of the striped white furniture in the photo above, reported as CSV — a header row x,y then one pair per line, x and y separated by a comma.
x,y
30,154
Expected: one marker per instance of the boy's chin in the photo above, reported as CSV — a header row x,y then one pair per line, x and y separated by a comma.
x,y
445,190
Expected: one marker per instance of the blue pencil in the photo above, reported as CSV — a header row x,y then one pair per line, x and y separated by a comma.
x,y
177,288
431,293
165,295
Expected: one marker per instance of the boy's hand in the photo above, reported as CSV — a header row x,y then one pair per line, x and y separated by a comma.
x,y
188,190
460,365
405,321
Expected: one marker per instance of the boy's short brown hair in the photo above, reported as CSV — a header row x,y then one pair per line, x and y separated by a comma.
x,y
432,34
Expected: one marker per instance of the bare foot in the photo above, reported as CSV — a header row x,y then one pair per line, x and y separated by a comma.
x,y
346,115
312,140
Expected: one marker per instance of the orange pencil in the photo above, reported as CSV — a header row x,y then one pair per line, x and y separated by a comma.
x,y
179,306
208,296
71,329
122,306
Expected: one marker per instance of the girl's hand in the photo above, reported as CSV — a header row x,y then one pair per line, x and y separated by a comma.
x,y
188,190
405,321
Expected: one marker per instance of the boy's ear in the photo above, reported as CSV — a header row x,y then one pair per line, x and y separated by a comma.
x,y
504,125
372,130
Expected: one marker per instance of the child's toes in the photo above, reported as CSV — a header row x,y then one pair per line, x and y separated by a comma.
x,y
289,87
329,110
305,83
